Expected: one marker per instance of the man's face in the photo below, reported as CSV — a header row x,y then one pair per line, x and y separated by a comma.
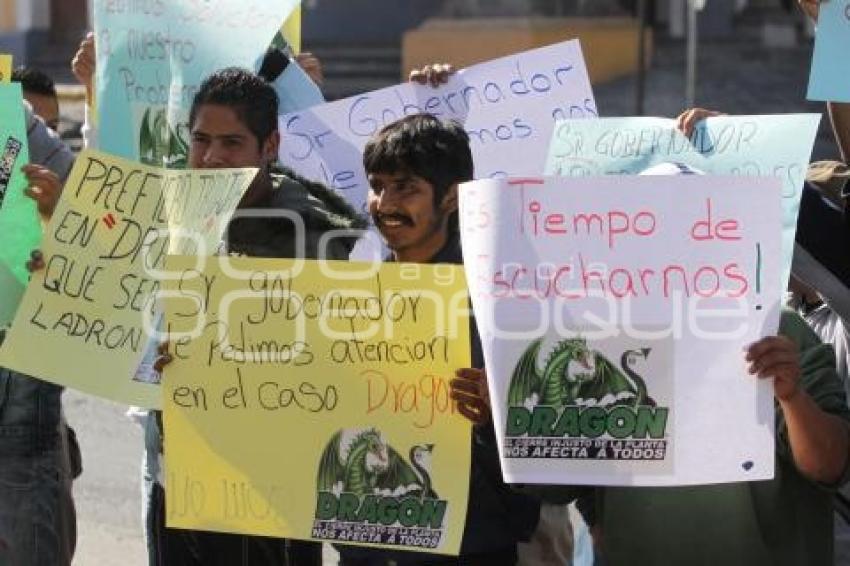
x,y
221,140
402,208
45,107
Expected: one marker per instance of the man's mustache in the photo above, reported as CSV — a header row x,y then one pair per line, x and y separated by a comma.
x,y
381,218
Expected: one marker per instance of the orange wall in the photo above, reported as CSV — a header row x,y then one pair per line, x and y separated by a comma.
x,y
609,45
7,15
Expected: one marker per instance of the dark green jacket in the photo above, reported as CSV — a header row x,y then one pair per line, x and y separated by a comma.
x,y
273,228
784,521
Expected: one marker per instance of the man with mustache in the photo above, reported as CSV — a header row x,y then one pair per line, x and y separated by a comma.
x,y
414,167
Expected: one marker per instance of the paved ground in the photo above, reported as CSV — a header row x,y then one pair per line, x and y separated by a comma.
x,y
738,77
107,494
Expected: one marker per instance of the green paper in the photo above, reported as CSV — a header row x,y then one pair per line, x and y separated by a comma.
x,y
20,232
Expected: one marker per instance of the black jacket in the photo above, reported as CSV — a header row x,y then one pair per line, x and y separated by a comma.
x,y
270,229
497,516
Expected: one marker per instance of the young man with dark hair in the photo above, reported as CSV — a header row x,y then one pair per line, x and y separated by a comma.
x,y
40,92
233,123
414,167
37,463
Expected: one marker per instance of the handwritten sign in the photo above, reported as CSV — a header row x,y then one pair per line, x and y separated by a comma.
x,y
508,106
310,400
152,57
18,217
828,79
296,90
5,68
749,146
613,313
85,318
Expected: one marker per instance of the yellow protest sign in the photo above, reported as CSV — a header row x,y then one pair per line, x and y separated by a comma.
x,y
86,318
291,30
5,68
311,400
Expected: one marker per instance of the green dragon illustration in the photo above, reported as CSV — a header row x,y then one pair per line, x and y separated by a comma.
x,y
370,466
573,374
159,143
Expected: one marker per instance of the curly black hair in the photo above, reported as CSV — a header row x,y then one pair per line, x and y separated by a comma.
x,y
34,81
252,98
423,145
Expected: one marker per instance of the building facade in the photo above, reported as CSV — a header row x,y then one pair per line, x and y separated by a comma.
x,y
42,31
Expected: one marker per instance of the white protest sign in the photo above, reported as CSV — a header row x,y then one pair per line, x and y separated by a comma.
x,y
508,106
613,312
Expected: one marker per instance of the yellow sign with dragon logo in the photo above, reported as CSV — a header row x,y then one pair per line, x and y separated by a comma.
x,y
311,400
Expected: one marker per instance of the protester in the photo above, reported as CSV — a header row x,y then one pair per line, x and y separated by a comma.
x,y
552,540
821,268
786,520
414,167
40,91
258,237
233,123
820,271
820,288
37,517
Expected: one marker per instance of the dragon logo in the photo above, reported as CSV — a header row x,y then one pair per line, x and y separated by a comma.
x,y
580,405
574,374
364,464
160,144
368,492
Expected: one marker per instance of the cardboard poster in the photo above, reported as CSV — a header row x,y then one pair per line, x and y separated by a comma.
x,y
508,106
828,79
153,56
748,146
92,306
310,400
18,215
613,313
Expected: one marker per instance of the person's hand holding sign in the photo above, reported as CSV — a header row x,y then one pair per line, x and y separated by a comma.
x,y
810,7
436,74
44,188
83,64
163,358
776,357
312,66
469,391
36,262
688,119
819,440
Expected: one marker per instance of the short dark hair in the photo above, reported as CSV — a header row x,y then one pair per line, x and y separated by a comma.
x,y
252,98
425,146
34,81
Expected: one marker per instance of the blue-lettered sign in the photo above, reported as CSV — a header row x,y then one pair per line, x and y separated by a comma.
x,y
152,56
754,146
508,106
